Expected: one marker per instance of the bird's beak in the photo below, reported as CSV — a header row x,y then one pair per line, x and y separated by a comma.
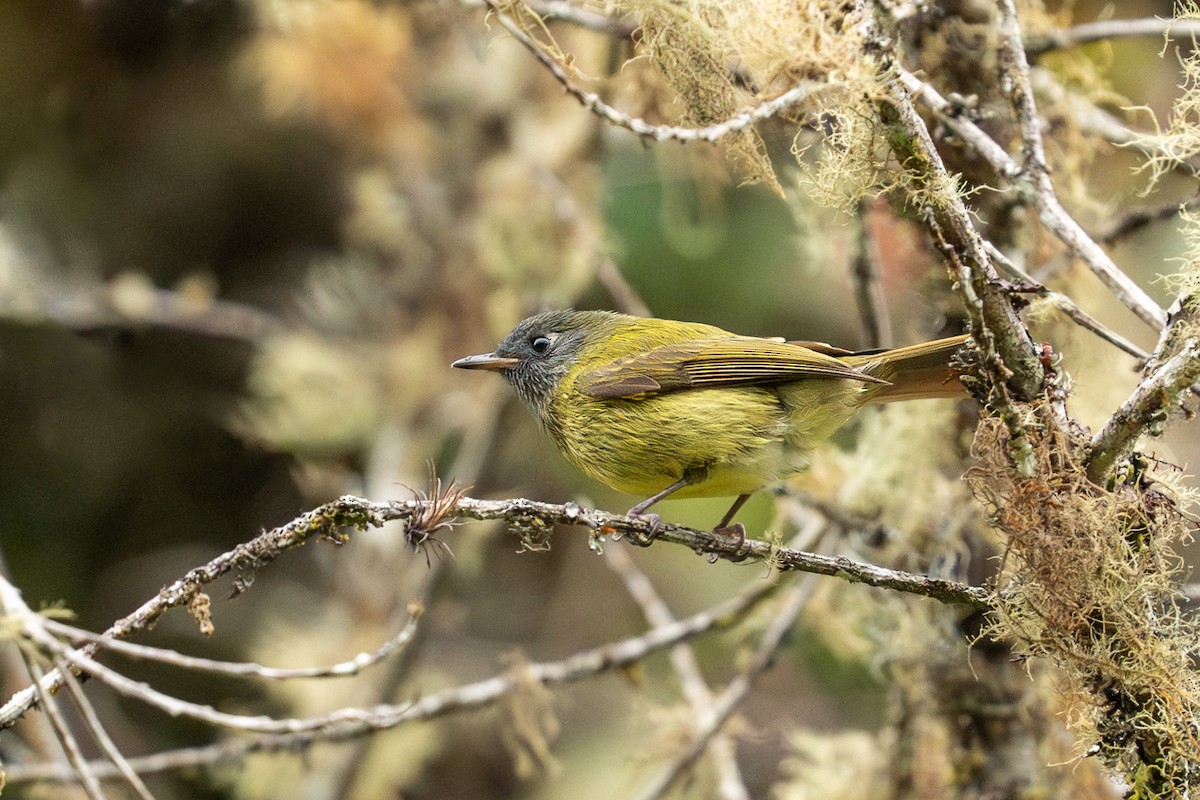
x,y
488,361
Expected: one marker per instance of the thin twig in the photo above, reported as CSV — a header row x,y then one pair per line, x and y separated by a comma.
x,y
1014,75
1132,221
731,785
555,10
1090,32
624,296
706,542
1067,306
177,707
577,666
107,745
241,669
326,521
791,604
81,769
658,133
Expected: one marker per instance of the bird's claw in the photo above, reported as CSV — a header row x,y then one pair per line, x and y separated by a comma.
x,y
653,522
738,531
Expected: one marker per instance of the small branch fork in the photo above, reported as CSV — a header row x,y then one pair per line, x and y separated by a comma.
x,y
1172,370
1056,219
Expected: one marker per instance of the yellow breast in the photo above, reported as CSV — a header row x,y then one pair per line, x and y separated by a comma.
x,y
640,446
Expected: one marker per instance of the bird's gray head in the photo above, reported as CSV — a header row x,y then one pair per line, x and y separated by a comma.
x,y
538,353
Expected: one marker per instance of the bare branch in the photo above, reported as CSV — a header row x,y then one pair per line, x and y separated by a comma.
x,y
624,296
1132,221
107,745
176,659
1066,305
731,785
578,666
36,633
80,768
1090,32
554,10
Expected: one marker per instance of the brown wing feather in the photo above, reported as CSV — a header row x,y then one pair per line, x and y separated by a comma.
x,y
712,363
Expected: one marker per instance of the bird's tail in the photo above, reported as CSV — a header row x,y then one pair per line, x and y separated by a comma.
x,y
914,372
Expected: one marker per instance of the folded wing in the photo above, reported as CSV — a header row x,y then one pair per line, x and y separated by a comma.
x,y
713,363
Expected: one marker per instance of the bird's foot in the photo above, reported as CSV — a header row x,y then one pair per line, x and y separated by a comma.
x,y
652,520
736,531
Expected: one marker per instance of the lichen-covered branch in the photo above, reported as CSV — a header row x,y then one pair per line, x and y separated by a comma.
x,y
532,520
1053,215
659,133
522,514
1147,409
1008,353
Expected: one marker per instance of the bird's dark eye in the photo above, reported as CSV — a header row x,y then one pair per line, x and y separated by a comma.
x,y
540,344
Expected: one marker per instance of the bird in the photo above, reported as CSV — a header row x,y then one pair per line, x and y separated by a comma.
x,y
660,408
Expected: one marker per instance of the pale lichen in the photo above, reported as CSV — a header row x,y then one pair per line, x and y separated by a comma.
x,y
1090,581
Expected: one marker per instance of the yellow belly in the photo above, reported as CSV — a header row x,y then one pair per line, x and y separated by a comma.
x,y
738,439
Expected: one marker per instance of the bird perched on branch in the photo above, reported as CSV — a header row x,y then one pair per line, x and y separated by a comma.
x,y
659,408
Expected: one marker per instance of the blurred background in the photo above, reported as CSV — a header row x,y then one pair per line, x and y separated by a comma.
x,y
241,242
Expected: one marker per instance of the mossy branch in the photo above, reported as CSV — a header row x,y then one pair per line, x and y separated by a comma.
x,y
1007,354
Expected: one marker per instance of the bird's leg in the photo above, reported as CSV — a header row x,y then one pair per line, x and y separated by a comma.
x,y
737,529
654,520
